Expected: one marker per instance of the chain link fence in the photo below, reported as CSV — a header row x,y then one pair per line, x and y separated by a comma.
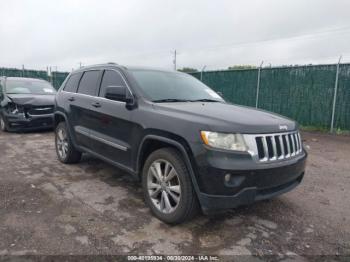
x,y
312,95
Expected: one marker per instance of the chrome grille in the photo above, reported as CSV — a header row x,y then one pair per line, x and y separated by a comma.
x,y
274,147
41,110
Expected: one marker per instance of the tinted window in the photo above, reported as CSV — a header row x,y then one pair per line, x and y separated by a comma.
x,y
110,78
72,83
88,83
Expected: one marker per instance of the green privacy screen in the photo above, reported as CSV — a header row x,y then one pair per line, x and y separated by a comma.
x,y
56,78
303,93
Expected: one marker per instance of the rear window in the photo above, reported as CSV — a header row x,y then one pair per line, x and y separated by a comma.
x,y
88,83
72,83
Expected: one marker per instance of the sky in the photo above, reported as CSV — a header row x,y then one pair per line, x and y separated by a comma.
x,y
215,34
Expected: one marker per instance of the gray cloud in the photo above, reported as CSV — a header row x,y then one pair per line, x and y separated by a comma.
x,y
213,33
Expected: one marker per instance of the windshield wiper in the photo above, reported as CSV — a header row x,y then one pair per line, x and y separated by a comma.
x,y
206,100
170,100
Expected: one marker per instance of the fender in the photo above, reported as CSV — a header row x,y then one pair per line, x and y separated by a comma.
x,y
181,148
68,126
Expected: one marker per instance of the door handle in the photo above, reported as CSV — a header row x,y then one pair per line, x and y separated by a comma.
x,y
71,99
96,104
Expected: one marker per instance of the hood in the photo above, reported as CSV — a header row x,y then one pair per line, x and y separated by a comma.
x,y
31,99
223,117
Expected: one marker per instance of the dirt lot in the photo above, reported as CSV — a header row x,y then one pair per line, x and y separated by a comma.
x,y
93,208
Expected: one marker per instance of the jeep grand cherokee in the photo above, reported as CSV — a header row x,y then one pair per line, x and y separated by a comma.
x,y
187,145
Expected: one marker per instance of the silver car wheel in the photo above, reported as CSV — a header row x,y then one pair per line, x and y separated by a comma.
x,y
163,186
62,143
2,124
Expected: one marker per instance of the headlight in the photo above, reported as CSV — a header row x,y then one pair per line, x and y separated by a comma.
x,y
224,141
15,109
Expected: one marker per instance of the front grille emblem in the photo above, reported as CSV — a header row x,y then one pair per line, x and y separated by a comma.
x,y
283,127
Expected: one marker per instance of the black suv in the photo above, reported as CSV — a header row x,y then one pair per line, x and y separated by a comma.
x,y
26,104
188,146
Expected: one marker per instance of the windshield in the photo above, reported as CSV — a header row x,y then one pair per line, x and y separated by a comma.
x,y
29,87
161,86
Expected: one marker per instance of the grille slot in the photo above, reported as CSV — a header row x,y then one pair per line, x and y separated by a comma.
x,y
278,145
260,147
271,147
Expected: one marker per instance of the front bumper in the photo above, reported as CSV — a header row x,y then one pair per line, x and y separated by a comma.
x,y
249,181
21,122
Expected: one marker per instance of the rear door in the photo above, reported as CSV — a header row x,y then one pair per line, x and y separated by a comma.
x,y
2,95
113,128
83,115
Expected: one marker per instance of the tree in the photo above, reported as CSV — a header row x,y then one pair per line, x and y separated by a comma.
x,y
188,70
235,67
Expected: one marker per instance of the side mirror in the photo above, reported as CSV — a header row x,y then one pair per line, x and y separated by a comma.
x,y
117,93
130,102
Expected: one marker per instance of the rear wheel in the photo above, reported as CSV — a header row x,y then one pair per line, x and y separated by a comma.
x,y
168,187
3,126
65,149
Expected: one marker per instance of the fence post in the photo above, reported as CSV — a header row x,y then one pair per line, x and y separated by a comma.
x,y
50,77
335,94
258,86
203,68
22,70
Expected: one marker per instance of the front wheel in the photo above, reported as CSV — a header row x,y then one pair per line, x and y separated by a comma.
x,y
2,124
65,149
168,187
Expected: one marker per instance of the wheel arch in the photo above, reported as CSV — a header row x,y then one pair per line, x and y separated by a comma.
x,y
58,117
180,144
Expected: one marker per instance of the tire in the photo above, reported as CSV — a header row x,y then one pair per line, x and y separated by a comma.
x,y
183,201
3,126
65,149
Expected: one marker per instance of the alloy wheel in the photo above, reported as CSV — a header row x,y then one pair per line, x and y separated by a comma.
x,y
62,143
163,186
2,124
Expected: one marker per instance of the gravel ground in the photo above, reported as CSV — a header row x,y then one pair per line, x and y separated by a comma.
x,y
48,208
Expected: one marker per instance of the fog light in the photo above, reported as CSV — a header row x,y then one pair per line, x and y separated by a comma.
x,y
227,177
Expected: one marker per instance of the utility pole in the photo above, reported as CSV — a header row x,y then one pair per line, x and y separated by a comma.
x,y
174,61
